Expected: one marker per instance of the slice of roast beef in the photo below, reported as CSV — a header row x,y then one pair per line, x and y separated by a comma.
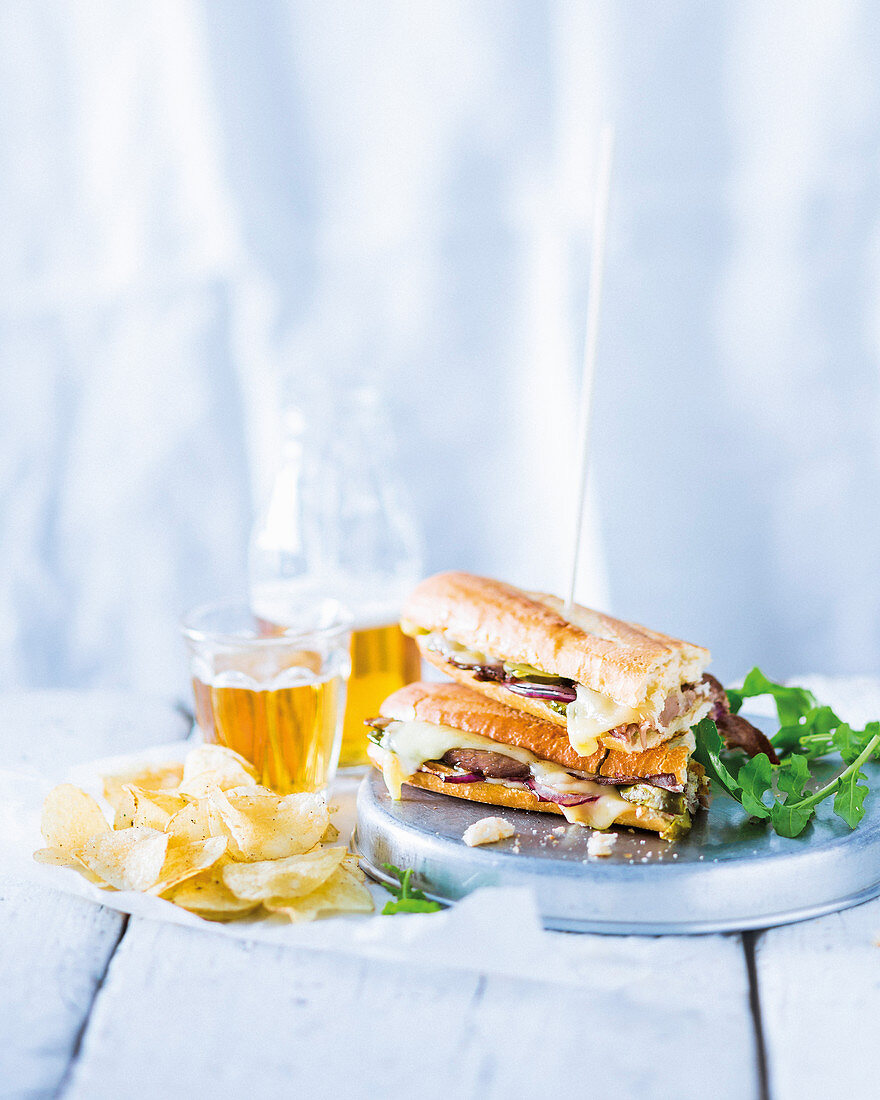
x,y
493,765
738,732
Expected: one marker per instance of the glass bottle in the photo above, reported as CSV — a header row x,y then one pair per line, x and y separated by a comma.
x,y
336,526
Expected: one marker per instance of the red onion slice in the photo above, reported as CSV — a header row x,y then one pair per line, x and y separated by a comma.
x,y
558,694
547,794
471,777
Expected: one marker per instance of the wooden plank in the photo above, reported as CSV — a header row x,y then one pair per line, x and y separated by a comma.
x,y
54,948
183,1012
663,1017
819,985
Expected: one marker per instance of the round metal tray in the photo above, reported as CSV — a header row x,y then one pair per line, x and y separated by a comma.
x,y
729,873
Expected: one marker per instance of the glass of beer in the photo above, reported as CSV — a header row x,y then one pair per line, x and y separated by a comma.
x,y
276,699
383,659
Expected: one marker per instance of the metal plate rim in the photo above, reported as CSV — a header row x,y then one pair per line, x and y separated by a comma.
x,y
660,928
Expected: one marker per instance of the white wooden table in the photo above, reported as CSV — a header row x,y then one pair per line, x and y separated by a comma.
x,y
94,1004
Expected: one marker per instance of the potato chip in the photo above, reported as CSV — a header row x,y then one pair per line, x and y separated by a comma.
x,y
185,858
287,878
129,859
208,896
269,826
169,801
351,863
162,777
341,893
205,836
198,820
211,766
125,805
224,915
70,817
152,809
60,857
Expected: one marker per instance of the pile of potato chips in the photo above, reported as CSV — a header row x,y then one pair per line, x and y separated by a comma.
x,y
205,836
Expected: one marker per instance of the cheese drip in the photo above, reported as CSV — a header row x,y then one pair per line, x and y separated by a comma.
x,y
407,745
593,714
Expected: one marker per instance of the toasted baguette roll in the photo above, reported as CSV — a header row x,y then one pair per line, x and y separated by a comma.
x,y
493,794
451,704
628,663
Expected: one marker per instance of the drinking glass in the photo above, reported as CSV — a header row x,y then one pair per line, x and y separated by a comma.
x,y
277,699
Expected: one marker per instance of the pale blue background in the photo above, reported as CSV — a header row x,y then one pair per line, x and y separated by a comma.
x,y
201,203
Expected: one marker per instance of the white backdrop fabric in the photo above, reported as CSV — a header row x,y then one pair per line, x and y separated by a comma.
x,y
203,203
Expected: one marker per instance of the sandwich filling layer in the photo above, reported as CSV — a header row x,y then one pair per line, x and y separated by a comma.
x,y
403,748
590,716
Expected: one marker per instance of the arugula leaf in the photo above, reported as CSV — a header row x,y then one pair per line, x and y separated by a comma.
x,y
789,739
780,792
790,819
708,753
792,703
409,899
792,774
849,802
756,779
790,816
851,743
811,735
848,742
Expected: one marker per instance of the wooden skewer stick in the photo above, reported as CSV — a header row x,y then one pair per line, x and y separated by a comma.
x,y
597,266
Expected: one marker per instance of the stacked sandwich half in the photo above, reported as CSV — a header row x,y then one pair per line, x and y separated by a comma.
x,y
571,713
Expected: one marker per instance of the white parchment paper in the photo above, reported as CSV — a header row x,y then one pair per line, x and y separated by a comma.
x,y
500,926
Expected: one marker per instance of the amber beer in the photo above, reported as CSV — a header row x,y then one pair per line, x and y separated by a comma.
x,y
383,659
287,731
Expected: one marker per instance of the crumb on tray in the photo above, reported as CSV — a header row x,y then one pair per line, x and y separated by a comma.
x,y
600,844
487,830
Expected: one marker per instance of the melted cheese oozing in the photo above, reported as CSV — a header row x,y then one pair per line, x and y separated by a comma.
x,y
593,714
452,650
394,774
587,718
407,745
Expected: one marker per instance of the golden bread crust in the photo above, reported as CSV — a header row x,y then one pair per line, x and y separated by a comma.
x,y
452,704
670,758
625,661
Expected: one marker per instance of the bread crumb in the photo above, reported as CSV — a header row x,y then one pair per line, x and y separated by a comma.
x,y
487,830
600,844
